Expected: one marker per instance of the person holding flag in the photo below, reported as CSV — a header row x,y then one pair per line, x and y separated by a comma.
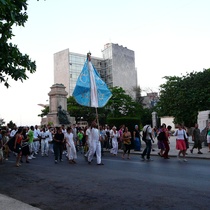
x,y
92,91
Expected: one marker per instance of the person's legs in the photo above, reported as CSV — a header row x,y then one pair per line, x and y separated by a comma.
x,y
129,149
46,148
18,159
42,147
167,148
55,149
149,147
68,152
98,152
92,151
199,147
60,152
145,151
124,150
184,153
140,144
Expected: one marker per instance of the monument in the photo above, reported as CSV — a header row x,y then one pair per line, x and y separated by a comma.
x,y
58,114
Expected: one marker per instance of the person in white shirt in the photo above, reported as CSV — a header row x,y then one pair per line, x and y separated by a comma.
x,y
87,133
63,129
180,142
95,144
44,135
148,141
36,139
50,139
13,132
70,145
114,135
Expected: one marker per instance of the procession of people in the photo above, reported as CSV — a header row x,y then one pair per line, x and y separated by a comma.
x,y
27,142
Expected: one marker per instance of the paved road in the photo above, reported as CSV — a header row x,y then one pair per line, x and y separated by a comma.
x,y
119,184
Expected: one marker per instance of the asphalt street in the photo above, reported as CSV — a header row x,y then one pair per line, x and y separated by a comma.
x,y
119,184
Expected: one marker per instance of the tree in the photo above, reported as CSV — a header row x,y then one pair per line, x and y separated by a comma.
x,y
80,112
1,122
10,124
183,97
13,64
121,104
44,111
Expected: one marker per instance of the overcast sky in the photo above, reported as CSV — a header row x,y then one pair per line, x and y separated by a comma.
x,y
169,37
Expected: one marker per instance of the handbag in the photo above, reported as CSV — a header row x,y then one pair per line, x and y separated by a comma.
x,y
186,141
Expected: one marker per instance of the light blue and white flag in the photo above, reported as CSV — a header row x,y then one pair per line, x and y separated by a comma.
x,y
90,89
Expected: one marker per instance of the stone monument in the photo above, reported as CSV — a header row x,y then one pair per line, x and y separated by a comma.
x,y
58,114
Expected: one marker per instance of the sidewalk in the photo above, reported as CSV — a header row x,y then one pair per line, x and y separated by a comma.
x,y
173,151
8,203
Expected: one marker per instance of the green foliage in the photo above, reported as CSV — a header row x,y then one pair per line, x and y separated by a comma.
x,y
13,64
1,122
44,111
50,123
129,122
80,112
11,124
122,104
183,97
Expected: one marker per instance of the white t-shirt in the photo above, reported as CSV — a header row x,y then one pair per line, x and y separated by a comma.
x,y
49,134
113,135
36,133
12,133
43,135
94,134
88,133
180,134
69,138
149,131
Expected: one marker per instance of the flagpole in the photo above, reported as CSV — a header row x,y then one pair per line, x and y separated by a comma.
x,y
97,121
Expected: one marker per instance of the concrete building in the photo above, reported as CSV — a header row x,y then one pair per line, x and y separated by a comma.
x,y
116,68
150,100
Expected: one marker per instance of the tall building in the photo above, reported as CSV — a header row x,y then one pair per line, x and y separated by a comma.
x,y
116,68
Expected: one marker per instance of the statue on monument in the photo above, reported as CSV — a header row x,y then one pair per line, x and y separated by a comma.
x,y
62,116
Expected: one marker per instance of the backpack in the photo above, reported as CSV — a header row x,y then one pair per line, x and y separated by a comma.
x,y
161,136
145,134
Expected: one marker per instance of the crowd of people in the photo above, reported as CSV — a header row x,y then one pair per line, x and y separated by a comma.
x,y
26,142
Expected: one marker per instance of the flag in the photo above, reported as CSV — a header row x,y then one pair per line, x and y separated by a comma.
x,y
90,89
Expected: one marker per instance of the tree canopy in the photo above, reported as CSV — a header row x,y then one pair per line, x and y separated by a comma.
x,y
183,97
13,64
120,105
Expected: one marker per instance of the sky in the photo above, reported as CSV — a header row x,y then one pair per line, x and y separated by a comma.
x,y
169,38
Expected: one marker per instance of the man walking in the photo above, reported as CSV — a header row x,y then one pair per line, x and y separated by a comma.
x,y
95,144
148,140
196,139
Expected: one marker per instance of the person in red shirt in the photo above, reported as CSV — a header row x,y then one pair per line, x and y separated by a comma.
x,y
18,145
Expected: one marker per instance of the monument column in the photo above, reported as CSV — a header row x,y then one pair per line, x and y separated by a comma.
x,y
58,105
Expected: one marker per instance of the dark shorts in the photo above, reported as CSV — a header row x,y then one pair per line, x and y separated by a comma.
x,y
18,148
